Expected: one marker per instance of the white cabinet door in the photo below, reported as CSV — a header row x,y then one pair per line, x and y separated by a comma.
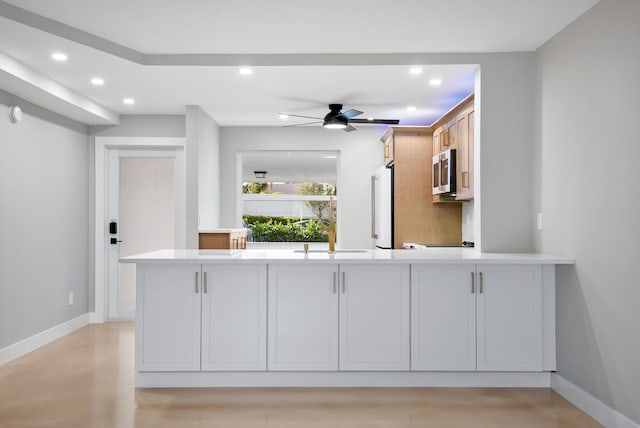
x,y
303,317
374,317
234,317
443,317
168,317
509,303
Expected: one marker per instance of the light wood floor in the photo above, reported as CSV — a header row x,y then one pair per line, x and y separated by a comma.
x,y
86,380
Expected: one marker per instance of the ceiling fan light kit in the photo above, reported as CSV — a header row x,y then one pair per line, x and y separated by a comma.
x,y
337,119
336,122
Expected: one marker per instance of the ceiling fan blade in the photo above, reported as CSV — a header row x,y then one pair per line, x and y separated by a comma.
x,y
378,121
301,124
350,128
351,113
298,115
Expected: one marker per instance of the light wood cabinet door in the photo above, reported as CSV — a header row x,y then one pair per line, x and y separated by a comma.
x,y
464,172
389,147
168,317
443,317
234,317
374,317
509,303
437,135
303,317
451,135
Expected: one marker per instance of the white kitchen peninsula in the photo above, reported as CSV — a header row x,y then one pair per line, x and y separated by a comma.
x,y
435,317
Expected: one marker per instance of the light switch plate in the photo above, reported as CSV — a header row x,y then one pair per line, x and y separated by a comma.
x,y
70,298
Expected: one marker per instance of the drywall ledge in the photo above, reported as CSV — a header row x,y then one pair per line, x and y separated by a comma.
x,y
39,89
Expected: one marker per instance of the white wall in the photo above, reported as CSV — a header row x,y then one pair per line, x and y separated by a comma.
x,y
360,154
208,170
587,153
44,221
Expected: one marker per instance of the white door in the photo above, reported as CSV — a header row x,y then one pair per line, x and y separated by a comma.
x,y
303,317
374,317
234,317
168,322
443,317
142,204
509,318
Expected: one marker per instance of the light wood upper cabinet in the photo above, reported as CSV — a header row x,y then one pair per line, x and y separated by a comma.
x,y
464,173
455,130
388,141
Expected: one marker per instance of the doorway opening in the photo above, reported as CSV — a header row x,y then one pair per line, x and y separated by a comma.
x,y
140,207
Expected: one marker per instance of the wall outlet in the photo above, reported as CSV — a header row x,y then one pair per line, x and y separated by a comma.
x,y
539,221
70,298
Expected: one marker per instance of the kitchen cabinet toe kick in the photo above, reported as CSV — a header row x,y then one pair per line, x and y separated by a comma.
x,y
343,379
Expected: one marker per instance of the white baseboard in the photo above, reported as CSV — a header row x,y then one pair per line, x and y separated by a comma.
x,y
29,344
589,404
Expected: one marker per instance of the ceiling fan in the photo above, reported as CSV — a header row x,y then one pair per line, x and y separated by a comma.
x,y
337,119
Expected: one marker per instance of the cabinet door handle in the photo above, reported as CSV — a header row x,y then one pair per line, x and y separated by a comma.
x,y
481,286
204,282
465,179
473,281
197,273
344,282
334,283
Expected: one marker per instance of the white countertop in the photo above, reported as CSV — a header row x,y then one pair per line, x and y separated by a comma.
x,y
223,230
429,255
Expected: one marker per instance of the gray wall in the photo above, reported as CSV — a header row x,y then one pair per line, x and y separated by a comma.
x,y
587,152
44,221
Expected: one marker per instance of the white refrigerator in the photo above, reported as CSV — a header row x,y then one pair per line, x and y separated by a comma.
x,y
382,207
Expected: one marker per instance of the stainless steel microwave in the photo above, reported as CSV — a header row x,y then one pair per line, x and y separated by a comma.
x,y
444,172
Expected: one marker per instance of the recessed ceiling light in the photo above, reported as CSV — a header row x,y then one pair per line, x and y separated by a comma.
x,y
283,116
435,82
97,81
330,156
411,108
245,71
129,101
59,56
370,119
415,70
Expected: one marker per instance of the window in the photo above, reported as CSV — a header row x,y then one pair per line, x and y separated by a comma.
x,y
286,195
